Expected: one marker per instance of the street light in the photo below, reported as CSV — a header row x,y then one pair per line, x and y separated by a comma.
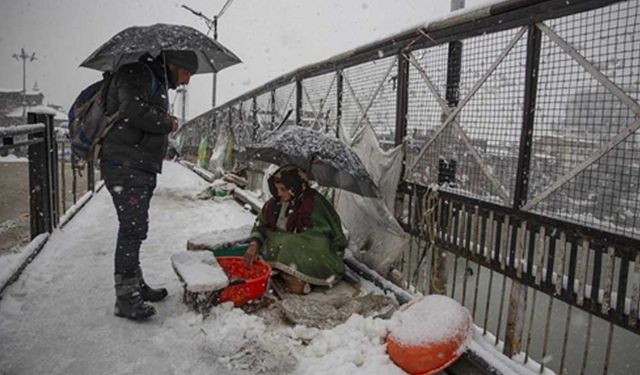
x,y
24,56
212,24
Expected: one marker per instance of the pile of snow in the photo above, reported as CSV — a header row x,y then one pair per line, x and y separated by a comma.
x,y
199,270
431,319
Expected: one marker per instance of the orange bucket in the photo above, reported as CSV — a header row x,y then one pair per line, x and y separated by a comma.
x,y
433,355
245,284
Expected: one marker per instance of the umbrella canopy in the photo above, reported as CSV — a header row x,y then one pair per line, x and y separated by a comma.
x,y
327,160
130,44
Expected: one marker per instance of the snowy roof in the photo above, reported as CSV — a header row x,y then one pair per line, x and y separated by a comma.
x,y
2,90
17,112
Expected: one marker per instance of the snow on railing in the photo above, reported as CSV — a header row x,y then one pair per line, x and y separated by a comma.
x,y
11,265
10,131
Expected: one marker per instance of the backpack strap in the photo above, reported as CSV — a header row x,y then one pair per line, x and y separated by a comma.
x,y
154,82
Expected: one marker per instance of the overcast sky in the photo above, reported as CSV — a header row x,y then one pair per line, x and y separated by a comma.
x,y
272,37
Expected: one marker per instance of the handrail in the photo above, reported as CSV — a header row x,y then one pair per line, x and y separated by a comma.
x,y
14,130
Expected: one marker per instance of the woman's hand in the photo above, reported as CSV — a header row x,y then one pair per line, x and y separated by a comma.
x,y
251,254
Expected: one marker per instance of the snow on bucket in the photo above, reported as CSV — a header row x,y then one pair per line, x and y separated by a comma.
x,y
428,334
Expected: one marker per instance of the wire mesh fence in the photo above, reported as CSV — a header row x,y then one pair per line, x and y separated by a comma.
x,y
320,102
285,97
369,97
265,111
531,131
578,114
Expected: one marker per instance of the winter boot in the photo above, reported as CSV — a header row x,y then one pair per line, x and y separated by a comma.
x,y
129,303
148,293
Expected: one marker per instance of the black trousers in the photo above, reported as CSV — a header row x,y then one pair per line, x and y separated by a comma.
x,y
131,190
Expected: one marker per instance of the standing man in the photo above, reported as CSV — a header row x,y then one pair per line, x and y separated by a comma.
x,y
131,157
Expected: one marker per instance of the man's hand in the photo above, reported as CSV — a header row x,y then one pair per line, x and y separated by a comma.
x,y
251,254
174,124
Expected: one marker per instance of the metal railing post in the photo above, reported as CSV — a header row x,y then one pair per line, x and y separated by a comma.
x,y
63,179
54,190
273,110
402,99
518,297
298,102
90,176
39,178
454,66
254,116
340,91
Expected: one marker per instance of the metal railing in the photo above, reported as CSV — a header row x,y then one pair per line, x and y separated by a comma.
x,y
525,116
49,164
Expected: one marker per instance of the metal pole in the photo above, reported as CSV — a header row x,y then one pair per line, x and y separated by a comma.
x,y
402,100
215,76
212,24
24,89
39,178
24,56
63,179
439,279
517,306
53,172
298,102
340,90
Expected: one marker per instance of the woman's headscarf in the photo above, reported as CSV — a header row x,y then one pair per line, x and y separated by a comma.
x,y
292,177
301,205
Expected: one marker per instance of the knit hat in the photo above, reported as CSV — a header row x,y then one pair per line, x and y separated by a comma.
x,y
184,59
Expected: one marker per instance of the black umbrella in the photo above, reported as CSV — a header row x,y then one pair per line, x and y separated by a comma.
x,y
130,44
327,160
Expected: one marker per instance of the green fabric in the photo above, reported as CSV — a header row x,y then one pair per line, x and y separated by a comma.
x,y
315,255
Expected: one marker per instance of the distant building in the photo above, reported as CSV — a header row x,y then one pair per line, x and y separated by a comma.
x,y
11,108
12,111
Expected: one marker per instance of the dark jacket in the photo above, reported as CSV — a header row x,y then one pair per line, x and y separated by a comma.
x,y
138,139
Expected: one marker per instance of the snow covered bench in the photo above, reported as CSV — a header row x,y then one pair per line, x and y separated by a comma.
x,y
202,277
220,238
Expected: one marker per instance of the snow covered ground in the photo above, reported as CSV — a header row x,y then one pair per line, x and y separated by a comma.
x,y
13,159
58,319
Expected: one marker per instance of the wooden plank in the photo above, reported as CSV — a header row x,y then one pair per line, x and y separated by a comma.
x,y
475,230
504,242
491,238
635,293
608,279
583,268
539,254
462,226
520,248
450,226
560,265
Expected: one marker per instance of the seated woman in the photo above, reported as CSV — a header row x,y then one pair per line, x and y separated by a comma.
x,y
299,233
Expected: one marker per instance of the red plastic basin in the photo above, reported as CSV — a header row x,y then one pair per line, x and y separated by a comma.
x,y
432,356
256,279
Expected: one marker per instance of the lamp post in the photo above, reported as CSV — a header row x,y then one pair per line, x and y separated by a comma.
x,y
212,24
24,56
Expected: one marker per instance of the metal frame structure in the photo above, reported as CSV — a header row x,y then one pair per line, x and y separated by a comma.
x,y
496,217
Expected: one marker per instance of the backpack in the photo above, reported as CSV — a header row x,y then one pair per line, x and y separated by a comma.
x,y
88,120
